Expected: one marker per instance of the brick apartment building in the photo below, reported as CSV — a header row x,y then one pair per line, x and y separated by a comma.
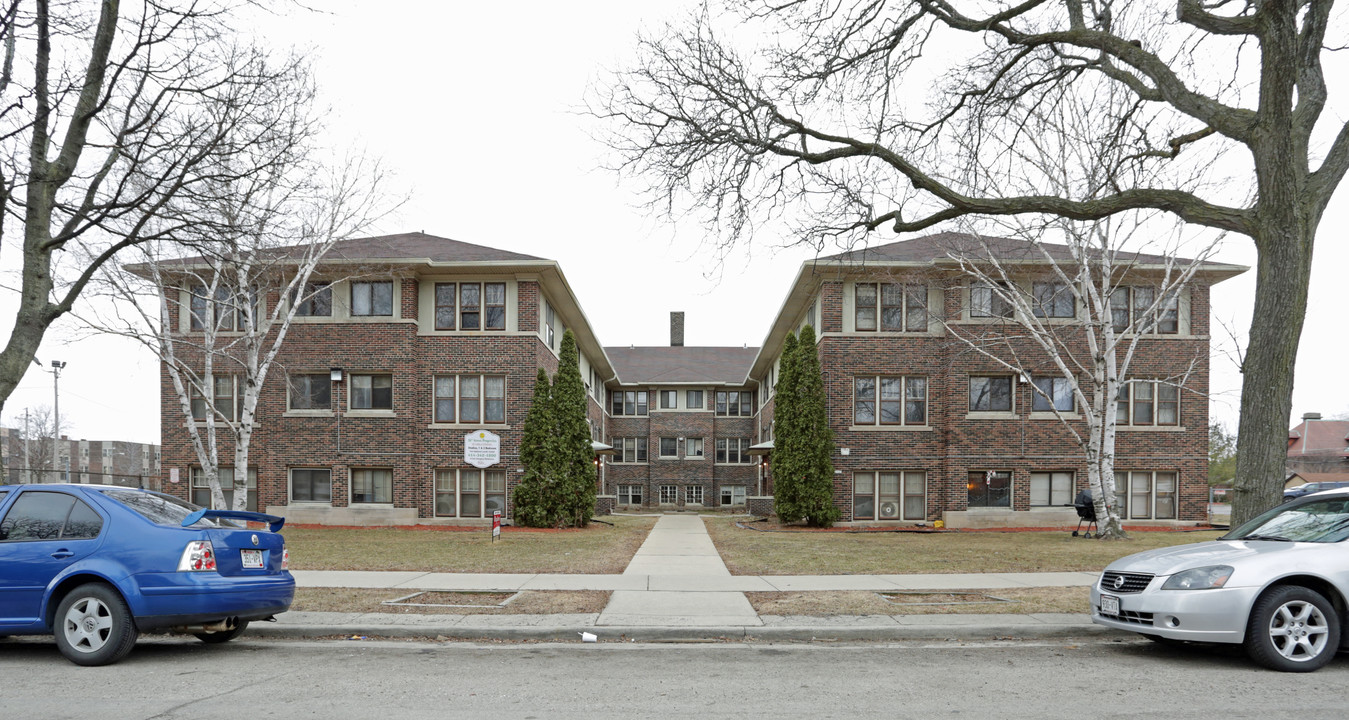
x,y
36,459
379,381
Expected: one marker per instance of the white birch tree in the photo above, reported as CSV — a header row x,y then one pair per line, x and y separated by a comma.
x,y
1093,347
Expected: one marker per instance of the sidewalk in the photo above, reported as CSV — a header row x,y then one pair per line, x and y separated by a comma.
x,y
677,588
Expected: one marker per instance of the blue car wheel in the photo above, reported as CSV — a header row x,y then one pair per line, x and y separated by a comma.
x,y
94,626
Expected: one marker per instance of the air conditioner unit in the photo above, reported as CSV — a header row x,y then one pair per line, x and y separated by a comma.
x,y
889,510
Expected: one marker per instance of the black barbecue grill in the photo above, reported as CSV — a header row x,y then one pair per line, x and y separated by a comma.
x,y
1086,513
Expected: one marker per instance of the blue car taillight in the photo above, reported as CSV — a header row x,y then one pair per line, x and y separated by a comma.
x,y
198,556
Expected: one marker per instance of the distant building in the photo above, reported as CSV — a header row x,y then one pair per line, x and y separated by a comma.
x,y
90,462
1318,446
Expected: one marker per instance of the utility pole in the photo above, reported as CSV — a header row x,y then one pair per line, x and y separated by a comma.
x,y
57,367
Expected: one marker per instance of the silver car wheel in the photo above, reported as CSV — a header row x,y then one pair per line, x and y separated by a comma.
x,y
1298,630
87,625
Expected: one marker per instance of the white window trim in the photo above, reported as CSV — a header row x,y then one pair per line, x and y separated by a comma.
x,y
290,487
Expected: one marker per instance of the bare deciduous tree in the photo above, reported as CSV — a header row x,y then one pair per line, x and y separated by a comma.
x,y
852,117
110,112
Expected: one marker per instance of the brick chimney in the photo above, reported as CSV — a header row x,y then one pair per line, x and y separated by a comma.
x,y
676,329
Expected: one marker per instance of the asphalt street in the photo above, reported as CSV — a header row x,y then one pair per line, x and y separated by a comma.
x,y
1095,678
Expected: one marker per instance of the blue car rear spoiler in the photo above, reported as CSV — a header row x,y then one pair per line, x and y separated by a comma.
x,y
274,522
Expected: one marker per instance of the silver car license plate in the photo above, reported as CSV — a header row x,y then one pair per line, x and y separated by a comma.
x,y
1109,604
253,559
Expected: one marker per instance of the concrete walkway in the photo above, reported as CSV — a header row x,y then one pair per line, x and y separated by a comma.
x,y
679,555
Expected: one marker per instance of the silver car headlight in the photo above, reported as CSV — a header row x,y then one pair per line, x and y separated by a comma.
x,y
1204,578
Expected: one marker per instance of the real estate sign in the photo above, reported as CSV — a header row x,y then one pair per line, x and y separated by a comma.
x,y
482,449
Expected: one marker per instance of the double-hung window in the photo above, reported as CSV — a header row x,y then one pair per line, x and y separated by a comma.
x,y
470,493
1053,300
890,307
693,447
629,494
734,403
732,495
371,392
372,486
549,323
224,311
226,401
693,495
1052,393
693,399
1145,403
990,300
372,298
311,485
669,399
201,488
733,451
890,400
669,447
990,488
991,393
629,450
310,392
669,494
470,399
629,402
1146,495
446,307
1048,489
315,299
1136,309
890,495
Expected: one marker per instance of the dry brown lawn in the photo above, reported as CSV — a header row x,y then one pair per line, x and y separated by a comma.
x,y
794,552
598,548
550,602
963,602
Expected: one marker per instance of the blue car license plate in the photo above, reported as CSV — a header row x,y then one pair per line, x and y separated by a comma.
x,y
252,558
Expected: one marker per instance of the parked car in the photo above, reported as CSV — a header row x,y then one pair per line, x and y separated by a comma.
x,y
1278,585
96,565
1309,488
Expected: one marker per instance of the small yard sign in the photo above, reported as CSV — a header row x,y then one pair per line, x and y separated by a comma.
x,y
496,525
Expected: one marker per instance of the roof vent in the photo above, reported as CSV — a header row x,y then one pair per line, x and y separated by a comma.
x,y
1311,416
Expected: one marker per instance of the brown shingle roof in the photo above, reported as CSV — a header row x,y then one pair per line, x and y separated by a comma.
x,y
939,246
729,365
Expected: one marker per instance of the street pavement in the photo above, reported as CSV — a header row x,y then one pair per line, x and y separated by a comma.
x,y
677,588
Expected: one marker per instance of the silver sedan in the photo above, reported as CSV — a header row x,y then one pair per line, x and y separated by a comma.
x,y
1278,585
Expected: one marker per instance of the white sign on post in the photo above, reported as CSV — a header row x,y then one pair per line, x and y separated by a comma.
x,y
482,449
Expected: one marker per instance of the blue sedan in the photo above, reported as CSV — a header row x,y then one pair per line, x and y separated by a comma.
x,y
96,565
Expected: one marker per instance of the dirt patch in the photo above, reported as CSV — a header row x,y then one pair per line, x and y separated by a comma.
x,y
1013,601
541,602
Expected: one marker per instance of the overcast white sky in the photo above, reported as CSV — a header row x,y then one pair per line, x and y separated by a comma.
x,y
474,106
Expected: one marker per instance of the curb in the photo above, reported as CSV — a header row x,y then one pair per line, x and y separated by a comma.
x,y
865,633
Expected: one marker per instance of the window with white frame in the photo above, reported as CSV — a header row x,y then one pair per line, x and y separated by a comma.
x,y
226,310
372,298
669,494
990,393
894,495
629,494
628,402
693,447
201,488
1052,393
470,493
482,306
226,399
371,485
311,485
310,391
1053,300
549,325
1050,489
732,451
470,399
371,392
669,447
629,449
890,307
693,495
446,311
989,300
693,399
669,399
890,400
734,403
1132,310
315,299
732,495
990,488
1145,403
1147,495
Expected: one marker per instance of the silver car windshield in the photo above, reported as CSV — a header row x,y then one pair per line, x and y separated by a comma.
x,y
1321,521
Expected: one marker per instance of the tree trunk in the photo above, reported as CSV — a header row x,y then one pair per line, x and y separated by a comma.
x,y
1282,273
